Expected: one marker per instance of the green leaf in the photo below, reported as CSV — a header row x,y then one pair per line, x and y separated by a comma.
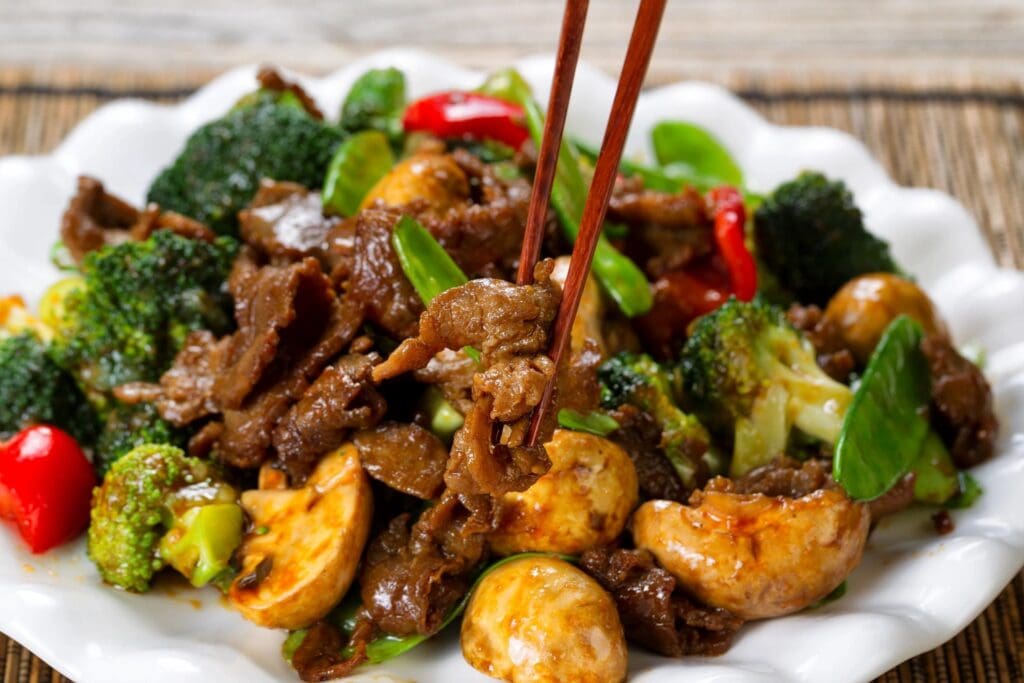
x,y
425,262
624,282
884,428
970,491
594,422
687,150
357,165
376,101
936,479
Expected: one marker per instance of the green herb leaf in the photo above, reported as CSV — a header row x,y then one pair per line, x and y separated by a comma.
x,y
884,429
593,422
357,165
689,151
425,262
624,282
970,491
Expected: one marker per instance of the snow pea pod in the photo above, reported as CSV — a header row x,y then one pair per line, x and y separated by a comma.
x,y
624,282
358,163
376,101
884,428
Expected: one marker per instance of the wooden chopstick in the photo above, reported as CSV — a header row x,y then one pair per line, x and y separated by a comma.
x,y
634,69
573,21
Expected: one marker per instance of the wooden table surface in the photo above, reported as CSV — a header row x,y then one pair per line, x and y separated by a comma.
x,y
842,63
940,38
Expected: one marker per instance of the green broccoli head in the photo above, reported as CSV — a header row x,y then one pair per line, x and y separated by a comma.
x,y
139,302
750,372
128,426
811,237
36,390
144,517
219,171
638,380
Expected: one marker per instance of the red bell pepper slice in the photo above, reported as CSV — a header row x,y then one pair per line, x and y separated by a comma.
x,y
456,114
46,486
730,219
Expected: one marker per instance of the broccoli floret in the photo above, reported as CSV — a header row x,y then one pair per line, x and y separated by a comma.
x,y
35,390
746,370
219,170
128,426
638,380
149,513
811,237
139,302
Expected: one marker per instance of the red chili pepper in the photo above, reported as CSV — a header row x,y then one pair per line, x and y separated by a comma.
x,y
46,486
730,218
456,114
681,296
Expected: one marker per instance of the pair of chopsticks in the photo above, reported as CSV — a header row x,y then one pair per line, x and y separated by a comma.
x,y
634,69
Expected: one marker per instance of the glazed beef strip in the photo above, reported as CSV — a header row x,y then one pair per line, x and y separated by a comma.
x,y
406,457
655,611
667,231
95,219
375,278
270,79
962,408
285,222
508,324
341,400
640,436
269,388
413,575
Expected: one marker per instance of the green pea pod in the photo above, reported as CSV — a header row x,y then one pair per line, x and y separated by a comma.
x,y
884,429
593,422
686,150
427,265
936,479
376,102
357,165
624,282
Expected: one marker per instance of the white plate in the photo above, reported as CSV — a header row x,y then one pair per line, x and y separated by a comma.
x,y
913,591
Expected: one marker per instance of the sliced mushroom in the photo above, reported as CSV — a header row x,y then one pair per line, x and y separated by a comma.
x,y
302,553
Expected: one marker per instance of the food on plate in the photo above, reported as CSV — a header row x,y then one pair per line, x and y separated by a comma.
x,y
304,375
583,502
303,549
539,619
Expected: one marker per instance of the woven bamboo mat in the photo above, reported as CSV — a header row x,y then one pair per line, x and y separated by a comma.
x,y
965,138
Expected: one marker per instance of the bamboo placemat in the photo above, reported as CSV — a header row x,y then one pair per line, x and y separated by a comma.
x,y
965,138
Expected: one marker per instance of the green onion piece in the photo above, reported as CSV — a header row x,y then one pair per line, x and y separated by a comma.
x,y
593,422
883,430
624,282
359,162
425,262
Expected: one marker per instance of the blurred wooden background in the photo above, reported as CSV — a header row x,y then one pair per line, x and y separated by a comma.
x,y
941,39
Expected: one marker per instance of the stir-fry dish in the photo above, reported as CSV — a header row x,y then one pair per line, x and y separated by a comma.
x,y
303,374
